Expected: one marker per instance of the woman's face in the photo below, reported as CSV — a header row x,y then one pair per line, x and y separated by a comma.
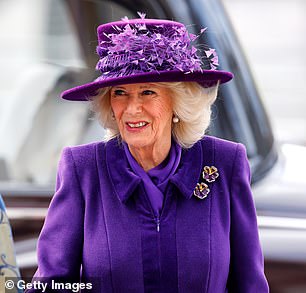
x,y
143,113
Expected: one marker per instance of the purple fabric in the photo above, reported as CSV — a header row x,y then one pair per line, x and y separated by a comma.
x,y
149,50
155,181
98,220
127,48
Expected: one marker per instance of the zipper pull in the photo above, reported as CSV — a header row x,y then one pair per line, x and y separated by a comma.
x,y
157,225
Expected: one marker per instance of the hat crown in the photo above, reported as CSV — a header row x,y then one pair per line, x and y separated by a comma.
x,y
110,28
136,46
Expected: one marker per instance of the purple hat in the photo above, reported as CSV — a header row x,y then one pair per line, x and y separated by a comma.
x,y
149,50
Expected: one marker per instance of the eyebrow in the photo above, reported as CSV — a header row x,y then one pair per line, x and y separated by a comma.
x,y
118,87
142,87
148,86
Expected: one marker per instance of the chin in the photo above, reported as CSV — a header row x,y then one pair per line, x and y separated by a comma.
x,y
137,142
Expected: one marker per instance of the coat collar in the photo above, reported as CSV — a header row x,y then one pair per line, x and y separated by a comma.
x,y
123,179
125,182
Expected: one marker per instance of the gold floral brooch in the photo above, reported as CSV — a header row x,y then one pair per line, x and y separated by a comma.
x,y
209,175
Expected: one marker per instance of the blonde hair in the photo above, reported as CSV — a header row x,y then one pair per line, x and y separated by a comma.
x,y
191,104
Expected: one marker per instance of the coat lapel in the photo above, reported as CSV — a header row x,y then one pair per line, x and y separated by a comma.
x,y
191,166
125,182
123,179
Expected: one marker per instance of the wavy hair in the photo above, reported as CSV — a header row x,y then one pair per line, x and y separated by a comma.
x,y
191,104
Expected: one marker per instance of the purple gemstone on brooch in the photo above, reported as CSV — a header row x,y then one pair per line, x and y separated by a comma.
x,y
210,174
201,191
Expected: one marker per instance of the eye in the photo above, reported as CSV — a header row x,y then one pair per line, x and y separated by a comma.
x,y
119,93
148,93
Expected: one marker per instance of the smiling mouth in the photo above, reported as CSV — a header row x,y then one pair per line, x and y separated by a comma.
x,y
137,124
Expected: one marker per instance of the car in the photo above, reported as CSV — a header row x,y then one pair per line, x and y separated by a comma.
x,y
278,184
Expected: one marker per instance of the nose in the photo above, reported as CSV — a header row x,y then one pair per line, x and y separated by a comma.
x,y
134,104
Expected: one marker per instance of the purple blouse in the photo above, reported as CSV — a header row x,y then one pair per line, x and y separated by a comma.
x,y
155,181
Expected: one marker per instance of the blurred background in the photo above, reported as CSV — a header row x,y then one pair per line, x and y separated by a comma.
x,y
273,36
47,46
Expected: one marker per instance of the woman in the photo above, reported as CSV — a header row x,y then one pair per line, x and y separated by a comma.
x,y
158,207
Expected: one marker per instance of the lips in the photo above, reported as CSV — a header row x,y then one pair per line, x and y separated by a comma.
x,y
137,125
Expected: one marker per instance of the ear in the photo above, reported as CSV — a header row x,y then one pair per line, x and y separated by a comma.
x,y
113,115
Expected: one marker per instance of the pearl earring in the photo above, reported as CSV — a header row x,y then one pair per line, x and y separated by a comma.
x,y
175,119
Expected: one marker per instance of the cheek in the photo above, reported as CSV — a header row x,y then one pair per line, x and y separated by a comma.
x,y
165,110
117,108
162,113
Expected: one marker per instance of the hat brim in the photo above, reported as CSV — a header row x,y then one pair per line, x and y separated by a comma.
x,y
205,78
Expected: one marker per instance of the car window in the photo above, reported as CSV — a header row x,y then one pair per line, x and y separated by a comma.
x,y
38,48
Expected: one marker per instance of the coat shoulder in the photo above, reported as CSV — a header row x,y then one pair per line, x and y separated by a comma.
x,y
220,144
85,155
225,151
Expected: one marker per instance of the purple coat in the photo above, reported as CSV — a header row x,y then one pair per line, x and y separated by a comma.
x,y
99,221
